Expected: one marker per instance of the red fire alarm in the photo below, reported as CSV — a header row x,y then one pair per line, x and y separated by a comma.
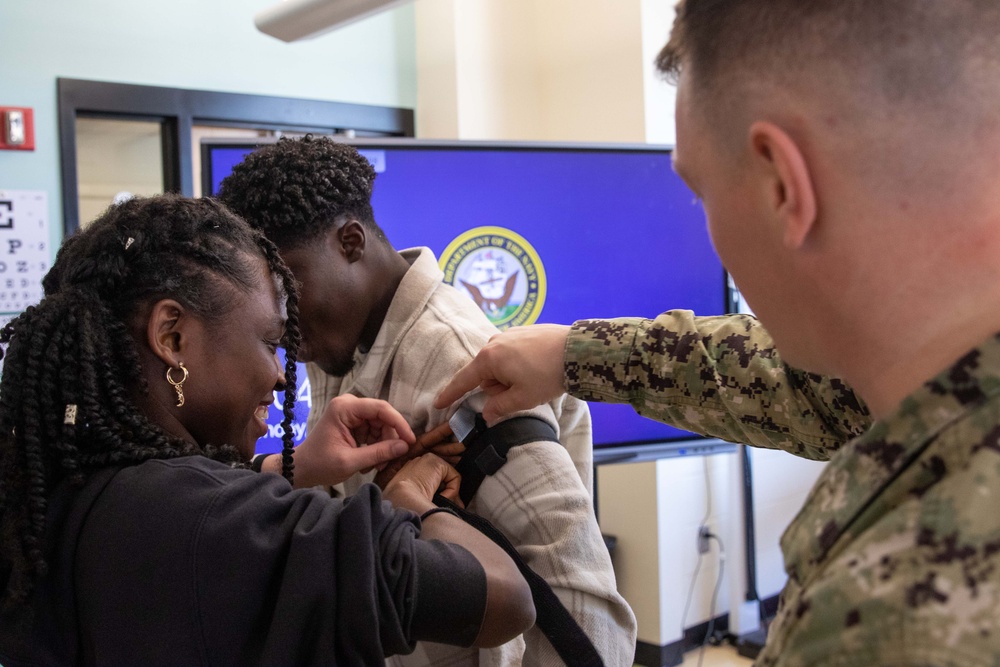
x,y
17,129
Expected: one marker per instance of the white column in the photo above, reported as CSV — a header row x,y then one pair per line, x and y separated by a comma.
x,y
542,70
655,510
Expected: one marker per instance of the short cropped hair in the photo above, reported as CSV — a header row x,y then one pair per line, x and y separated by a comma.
x,y
297,189
897,51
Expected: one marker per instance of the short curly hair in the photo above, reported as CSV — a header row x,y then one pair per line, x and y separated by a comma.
x,y
296,189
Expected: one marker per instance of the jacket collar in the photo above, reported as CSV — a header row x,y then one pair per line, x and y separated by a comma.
x,y
418,285
877,470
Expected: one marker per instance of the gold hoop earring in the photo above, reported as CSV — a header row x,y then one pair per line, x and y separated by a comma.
x,y
178,385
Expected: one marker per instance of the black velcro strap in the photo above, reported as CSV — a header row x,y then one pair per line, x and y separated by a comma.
x,y
257,462
486,448
551,617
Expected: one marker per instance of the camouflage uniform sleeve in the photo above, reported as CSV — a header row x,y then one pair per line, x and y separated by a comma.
x,y
717,376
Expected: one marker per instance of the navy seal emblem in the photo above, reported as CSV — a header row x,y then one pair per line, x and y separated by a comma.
x,y
500,271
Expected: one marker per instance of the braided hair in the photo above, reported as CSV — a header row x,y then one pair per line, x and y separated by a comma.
x,y
294,190
74,352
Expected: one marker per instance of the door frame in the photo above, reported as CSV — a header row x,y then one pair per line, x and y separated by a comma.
x,y
180,109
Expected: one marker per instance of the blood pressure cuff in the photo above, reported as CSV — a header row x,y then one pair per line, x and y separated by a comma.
x,y
486,447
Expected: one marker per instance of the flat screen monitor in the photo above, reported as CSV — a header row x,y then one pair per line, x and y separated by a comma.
x,y
543,233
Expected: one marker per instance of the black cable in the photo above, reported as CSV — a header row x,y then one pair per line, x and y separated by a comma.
x,y
697,567
687,605
715,597
750,532
752,594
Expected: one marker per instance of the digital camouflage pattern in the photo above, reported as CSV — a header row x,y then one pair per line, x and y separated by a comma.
x,y
719,376
893,559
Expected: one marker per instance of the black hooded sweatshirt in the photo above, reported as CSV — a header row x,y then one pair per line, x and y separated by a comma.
x,y
190,562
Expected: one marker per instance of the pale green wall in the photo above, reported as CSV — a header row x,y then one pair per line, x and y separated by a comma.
x,y
201,44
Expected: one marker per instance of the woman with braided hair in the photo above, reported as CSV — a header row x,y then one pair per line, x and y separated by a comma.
x,y
132,529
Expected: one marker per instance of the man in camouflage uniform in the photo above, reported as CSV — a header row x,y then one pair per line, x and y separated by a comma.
x,y
847,155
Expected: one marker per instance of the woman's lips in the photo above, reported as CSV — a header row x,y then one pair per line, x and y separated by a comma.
x,y
260,414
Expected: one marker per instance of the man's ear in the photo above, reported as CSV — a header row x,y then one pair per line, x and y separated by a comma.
x,y
352,238
792,196
166,332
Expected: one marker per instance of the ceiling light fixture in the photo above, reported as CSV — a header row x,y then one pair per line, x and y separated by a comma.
x,y
292,20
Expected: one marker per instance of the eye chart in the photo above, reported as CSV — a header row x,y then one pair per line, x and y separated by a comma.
x,y
24,248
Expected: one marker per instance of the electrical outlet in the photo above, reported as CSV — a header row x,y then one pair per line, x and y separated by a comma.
x,y
703,535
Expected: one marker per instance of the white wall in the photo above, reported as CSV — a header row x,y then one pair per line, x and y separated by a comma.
x,y
555,70
200,44
781,482
659,94
655,511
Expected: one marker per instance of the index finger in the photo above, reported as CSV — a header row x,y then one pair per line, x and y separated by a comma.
x,y
440,433
451,485
465,380
375,410
392,419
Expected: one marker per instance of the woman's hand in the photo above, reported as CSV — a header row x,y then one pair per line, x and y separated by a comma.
x,y
353,435
439,440
417,482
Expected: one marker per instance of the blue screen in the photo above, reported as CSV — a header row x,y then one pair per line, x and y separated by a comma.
x,y
612,232
271,442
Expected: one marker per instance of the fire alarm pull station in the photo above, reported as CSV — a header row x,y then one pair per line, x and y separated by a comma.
x,y
17,129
